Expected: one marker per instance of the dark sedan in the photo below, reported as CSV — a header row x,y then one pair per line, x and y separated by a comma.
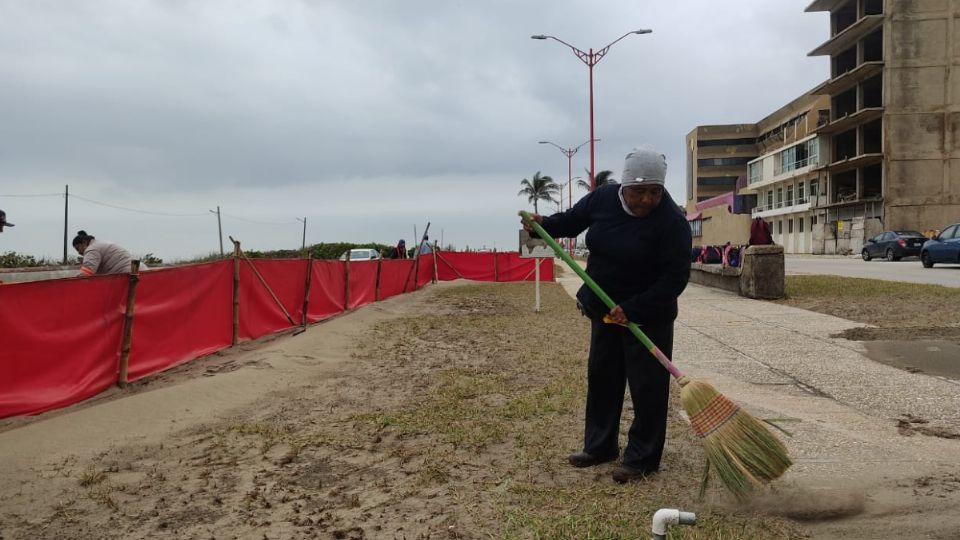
x,y
944,248
894,245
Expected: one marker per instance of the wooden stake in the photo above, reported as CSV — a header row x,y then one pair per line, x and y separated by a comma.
x,y
236,292
435,252
346,283
128,323
306,289
379,271
496,270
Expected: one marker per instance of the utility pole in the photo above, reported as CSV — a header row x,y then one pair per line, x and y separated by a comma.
x,y
219,228
303,246
66,206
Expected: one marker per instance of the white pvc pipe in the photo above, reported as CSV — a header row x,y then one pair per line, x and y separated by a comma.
x,y
670,516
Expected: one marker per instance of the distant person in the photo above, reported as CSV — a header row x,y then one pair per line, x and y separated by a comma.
x,y
425,248
100,257
399,251
760,233
3,221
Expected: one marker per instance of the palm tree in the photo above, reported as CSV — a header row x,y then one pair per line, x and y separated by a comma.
x,y
603,177
542,188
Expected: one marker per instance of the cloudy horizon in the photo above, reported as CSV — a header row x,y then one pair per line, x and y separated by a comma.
x,y
368,119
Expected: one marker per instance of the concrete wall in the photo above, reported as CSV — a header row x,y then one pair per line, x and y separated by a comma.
x,y
723,226
922,116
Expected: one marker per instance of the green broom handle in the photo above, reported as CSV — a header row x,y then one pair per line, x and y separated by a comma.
x,y
634,329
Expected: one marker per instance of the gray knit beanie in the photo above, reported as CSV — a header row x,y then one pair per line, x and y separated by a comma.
x,y
644,165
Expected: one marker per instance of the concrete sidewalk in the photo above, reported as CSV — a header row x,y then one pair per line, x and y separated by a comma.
x,y
855,423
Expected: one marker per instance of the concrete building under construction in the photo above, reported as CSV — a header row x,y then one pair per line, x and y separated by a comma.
x,y
891,159
872,148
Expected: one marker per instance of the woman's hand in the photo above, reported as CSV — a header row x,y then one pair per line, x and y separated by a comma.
x,y
535,217
617,316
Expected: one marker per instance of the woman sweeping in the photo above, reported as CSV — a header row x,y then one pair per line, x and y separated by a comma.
x,y
639,244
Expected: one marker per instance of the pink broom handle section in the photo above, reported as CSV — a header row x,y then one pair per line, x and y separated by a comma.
x,y
634,329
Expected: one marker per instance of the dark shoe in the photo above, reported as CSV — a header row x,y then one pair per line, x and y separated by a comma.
x,y
626,473
583,459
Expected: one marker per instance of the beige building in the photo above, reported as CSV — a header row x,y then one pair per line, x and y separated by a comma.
x,y
717,158
786,177
889,149
767,169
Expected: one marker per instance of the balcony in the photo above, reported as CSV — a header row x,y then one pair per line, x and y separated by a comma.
x,y
825,5
855,162
851,120
781,208
849,36
848,80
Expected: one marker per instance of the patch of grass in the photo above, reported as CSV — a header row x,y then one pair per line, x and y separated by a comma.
x,y
102,495
92,477
862,288
887,304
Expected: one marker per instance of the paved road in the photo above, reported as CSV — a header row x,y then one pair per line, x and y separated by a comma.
x,y
909,270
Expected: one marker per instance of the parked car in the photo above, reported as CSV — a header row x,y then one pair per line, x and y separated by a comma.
x,y
894,245
361,254
943,248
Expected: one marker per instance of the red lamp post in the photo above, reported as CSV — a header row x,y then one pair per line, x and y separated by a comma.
x,y
569,152
590,59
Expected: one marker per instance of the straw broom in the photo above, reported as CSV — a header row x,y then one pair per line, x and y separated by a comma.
x,y
739,447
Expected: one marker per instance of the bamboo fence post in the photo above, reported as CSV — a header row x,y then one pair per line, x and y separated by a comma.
x,y
496,270
435,252
306,289
236,292
346,283
128,323
379,271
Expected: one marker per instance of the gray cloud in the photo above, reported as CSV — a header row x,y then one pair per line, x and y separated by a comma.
x,y
190,104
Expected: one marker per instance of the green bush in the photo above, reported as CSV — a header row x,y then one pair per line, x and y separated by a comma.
x,y
12,259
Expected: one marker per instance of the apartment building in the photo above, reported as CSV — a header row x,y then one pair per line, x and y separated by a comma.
x,y
787,178
888,151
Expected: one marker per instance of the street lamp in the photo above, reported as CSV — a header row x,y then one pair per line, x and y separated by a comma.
x,y
569,152
590,59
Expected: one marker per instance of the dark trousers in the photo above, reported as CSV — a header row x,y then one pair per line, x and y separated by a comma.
x,y
616,358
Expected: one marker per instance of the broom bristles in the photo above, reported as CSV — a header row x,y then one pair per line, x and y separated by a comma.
x,y
740,448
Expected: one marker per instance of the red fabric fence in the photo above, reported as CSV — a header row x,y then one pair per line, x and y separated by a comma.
x,y
60,339
181,313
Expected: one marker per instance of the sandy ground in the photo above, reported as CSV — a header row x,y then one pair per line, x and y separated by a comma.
x,y
378,424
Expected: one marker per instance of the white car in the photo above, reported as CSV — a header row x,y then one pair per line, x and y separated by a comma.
x,y
361,254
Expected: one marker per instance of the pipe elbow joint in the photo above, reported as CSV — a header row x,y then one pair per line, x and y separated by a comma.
x,y
671,516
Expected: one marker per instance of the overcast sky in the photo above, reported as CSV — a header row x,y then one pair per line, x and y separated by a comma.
x,y
368,118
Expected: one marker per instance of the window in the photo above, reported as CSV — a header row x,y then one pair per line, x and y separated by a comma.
x,y
790,195
800,197
724,161
790,226
797,156
800,224
755,172
814,191
779,197
696,227
725,142
780,226
813,221
769,199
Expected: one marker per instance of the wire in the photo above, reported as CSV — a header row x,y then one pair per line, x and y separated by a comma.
x,y
118,207
33,195
259,222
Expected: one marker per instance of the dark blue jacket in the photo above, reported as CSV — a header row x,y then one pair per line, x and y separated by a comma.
x,y
643,264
